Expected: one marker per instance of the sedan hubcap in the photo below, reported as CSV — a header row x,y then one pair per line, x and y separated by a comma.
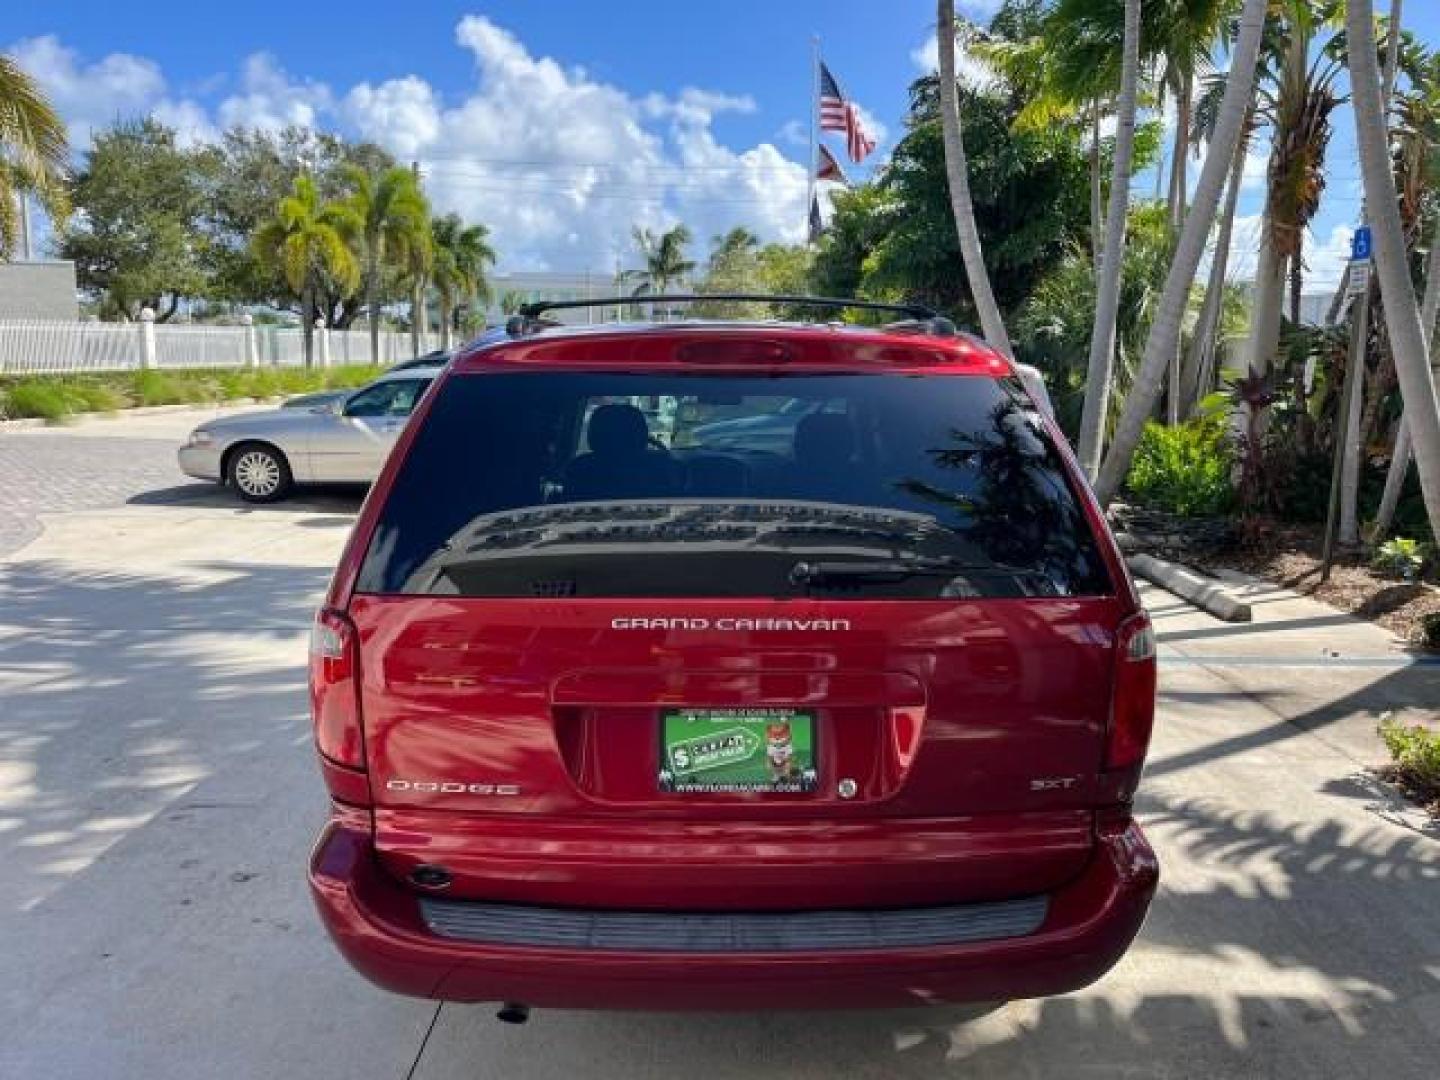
x,y
257,473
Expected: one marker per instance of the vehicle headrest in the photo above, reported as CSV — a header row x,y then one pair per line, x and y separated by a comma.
x,y
618,428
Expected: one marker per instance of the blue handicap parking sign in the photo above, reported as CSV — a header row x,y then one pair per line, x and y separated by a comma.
x,y
1362,245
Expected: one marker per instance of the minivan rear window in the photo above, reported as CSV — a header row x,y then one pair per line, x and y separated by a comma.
x,y
674,484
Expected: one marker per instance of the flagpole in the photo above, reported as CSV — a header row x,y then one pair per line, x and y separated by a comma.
x,y
814,126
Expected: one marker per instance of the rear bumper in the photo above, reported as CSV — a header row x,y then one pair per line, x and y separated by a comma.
x,y
378,925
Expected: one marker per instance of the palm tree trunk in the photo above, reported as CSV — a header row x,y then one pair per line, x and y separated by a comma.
x,y
957,173
1100,369
446,316
1297,283
1268,302
1199,374
1402,314
1180,168
1165,330
1404,450
372,302
1353,444
1096,194
418,317
307,323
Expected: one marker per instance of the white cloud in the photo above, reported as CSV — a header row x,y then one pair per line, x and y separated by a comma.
x,y
559,164
191,122
272,100
968,69
1327,260
402,114
1257,168
88,96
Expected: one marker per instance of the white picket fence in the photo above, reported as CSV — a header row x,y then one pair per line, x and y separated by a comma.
x,y
37,347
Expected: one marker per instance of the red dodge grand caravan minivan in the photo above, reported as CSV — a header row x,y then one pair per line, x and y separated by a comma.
x,y
731,665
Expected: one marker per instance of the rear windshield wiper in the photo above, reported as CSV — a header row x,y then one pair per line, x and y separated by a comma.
x,y
818,573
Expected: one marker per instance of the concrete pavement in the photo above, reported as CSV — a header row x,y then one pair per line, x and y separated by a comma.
x,y
157,800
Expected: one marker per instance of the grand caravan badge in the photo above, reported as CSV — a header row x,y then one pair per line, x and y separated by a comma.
x,y
728,622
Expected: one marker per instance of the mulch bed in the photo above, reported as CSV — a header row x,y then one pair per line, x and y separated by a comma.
x,y
1289,555
1426,796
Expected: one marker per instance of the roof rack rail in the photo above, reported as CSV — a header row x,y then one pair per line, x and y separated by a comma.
x,y
918,317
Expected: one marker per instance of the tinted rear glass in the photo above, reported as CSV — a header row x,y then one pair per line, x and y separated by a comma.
x,y
608,484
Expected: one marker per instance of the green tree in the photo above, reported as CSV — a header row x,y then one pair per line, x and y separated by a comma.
x,y
1297,94
34,153
1163,343
137,240
733,267
246,175
393,216
308,243
461,254
664,257
895,238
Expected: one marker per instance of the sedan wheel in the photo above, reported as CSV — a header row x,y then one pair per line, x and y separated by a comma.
x,y
260,474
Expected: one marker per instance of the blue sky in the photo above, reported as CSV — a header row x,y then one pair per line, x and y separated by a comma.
x,y
557,123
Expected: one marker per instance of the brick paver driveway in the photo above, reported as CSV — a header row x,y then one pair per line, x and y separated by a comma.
x,y
45,472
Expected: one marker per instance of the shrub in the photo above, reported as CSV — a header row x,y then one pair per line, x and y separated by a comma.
x,y
1185,469
1416,751
157,388
98,397
1401,557
42,399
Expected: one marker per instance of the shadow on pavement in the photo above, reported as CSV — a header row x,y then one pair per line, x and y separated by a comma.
x,y
153,741
337,498
1300,950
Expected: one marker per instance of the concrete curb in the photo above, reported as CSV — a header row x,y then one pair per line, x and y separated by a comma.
x,y
1205,593
140,410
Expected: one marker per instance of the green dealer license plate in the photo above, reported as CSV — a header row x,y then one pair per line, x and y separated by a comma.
x,y
704,751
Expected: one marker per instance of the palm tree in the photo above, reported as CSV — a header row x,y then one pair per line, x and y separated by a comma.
x,y
419,262
1100,369
461,253
1420,141
1297,95
308,241
1402,314
1352,427
34,154
1165,330
957,174
664,256
394,216
1198,374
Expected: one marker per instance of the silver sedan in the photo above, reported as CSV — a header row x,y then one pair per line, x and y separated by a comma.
x,y
263,455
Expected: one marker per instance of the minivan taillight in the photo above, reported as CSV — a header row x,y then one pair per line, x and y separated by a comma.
x,y
1132,702
334,696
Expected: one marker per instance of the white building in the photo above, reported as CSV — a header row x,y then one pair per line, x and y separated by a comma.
x,y
38,289
532,287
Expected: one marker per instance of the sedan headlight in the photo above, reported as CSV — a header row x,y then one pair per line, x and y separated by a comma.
x,y
201,437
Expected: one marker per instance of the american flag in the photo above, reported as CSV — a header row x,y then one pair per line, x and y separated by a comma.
x,y
837,114
828,168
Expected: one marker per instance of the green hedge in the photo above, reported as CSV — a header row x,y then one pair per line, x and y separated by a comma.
x,y
56,397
